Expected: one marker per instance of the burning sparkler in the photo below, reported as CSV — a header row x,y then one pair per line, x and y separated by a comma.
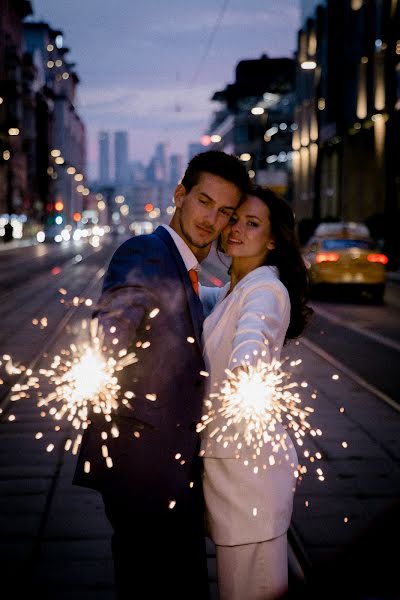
x,y
259,407
84,380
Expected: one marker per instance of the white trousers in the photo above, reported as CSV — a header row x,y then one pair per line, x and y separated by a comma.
x,y
253,571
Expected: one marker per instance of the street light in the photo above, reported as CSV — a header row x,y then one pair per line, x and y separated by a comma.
x,y
308,65
257,110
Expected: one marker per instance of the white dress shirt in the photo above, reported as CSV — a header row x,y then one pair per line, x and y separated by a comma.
x,y
188,257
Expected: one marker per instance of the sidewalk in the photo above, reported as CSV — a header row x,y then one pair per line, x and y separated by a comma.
x,y
58,532
360,446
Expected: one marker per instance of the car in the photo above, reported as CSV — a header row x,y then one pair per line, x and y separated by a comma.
x,y
344,254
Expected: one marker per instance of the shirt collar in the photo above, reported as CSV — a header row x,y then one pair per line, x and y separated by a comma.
x,y
187,255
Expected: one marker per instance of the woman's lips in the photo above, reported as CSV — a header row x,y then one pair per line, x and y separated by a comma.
x,y
233,241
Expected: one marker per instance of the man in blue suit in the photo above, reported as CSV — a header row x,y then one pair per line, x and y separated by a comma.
x,y
152,494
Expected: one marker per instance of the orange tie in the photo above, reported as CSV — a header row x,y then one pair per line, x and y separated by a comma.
x,y
194,278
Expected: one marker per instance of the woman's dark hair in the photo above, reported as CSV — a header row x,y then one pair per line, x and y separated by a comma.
x,y
286,256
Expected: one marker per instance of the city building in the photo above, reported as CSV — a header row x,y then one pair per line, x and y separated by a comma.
x,y
104,157
255,120
65,142
137,171
121,158
347,111
14,192
157,169
176,168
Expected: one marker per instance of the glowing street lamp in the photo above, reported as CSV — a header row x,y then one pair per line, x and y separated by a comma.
x,y
308,65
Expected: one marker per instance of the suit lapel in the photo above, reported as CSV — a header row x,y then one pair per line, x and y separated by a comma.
x,y
195,306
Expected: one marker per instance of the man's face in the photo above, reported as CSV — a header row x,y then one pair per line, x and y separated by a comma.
x,y
203,213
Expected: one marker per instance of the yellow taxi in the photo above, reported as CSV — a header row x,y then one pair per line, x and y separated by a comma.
x,y
345,254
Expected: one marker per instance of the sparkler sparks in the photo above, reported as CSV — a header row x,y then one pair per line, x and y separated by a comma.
x,y
84,380
259,407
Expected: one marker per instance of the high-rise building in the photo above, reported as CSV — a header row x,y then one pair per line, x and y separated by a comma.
x,y
104,157
160,156
121,158
175,168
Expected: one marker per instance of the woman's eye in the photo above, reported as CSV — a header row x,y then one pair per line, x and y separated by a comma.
x,y
253,224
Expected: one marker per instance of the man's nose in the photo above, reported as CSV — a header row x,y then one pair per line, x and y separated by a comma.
x,y
211,216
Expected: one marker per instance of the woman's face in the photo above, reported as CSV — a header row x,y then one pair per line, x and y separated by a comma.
x,y
248,235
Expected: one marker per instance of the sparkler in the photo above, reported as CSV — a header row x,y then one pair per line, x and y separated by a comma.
x,y
85,381
259,406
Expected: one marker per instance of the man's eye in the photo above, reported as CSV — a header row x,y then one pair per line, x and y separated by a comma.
x,y
232,220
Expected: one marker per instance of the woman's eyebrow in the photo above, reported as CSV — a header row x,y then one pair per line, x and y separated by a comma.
x,y
252,217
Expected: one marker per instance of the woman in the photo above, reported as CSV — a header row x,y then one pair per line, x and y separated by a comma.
x,y
263,305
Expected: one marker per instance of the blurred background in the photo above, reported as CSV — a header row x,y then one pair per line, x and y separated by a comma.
x,y
102,107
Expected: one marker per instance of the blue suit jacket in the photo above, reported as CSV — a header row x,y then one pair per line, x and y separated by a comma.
x,y
155,457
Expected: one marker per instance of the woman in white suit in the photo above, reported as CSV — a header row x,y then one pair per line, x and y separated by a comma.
x,y
262,306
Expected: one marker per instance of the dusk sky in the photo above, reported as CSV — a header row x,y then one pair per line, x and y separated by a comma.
x,y
151,66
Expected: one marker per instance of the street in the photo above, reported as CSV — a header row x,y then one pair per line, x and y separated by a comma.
x,y
58,533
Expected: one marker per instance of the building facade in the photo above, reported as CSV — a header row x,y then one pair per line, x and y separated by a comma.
x,y
14,193
66,150
255,120
347,110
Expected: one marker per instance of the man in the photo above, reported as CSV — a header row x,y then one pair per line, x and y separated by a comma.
x,y
152,494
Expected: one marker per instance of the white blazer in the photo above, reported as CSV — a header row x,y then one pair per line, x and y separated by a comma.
x,y
243,506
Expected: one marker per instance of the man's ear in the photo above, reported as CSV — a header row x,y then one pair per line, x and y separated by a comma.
x,y
180,193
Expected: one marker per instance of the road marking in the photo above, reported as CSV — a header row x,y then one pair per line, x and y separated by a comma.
x,y
377,337
350,373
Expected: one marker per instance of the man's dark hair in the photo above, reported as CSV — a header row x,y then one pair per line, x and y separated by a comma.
x,y
218,163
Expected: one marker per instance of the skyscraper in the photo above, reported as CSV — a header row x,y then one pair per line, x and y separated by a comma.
x,y
104,157
175,168
160,156
121,157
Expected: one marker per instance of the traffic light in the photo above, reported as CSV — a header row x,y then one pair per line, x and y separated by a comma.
x,y
58,207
